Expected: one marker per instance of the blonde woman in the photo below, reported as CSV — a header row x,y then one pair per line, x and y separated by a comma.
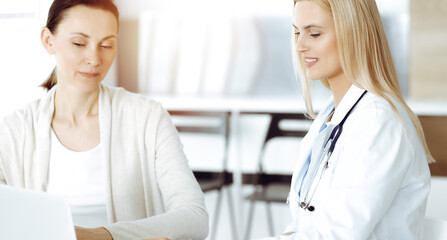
x,y
115,155
363,169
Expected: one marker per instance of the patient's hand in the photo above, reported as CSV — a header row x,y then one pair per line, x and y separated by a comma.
x,y
92,233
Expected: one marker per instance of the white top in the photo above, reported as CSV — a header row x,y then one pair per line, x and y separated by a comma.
x,y
79,176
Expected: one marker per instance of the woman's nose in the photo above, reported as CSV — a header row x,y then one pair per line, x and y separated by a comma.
x,y
300,45
93,58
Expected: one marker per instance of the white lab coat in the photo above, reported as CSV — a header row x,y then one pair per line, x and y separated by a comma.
x,y
378,179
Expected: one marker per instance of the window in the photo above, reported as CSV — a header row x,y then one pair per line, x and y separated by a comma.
x,y
24,63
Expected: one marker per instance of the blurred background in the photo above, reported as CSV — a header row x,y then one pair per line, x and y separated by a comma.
x,y
233,59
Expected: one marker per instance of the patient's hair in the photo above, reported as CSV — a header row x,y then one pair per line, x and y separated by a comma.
x,y
365,55
57,14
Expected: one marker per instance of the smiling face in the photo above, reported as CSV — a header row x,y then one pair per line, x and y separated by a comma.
x,y
316,41
84,44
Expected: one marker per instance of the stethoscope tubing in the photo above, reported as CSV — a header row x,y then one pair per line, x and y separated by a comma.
x,y
328,149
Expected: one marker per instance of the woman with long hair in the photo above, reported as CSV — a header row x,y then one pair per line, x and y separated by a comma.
x,y
115,155
362,172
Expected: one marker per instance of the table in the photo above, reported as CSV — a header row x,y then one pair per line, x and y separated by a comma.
x,y
237,106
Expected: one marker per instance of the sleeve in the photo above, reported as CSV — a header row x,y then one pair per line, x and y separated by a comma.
x,y
2,177
186,216
12,147
291,228
372,164
2,149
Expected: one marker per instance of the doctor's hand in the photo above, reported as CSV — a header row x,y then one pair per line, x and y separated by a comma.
x,y
92,233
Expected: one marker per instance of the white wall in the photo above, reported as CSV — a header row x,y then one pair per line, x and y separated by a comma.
x,y
133,8
24,64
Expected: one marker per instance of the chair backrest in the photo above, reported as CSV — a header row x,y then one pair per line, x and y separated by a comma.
x,y
435,229
207,122
276,130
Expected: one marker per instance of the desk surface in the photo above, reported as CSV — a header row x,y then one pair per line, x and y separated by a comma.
x,y
277,105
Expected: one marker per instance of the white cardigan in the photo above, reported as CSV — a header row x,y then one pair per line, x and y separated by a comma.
x,y
151,191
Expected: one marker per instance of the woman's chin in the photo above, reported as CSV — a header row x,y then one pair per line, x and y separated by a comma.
x,y
313,77
86,86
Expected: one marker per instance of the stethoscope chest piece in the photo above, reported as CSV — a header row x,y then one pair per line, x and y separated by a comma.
x,y
303,205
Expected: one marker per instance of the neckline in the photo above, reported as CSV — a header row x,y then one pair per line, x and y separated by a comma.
x,y
62,146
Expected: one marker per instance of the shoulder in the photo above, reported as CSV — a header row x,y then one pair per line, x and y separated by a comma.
x,y
132,107
12,124
374,118
21,116
19,125
376,110
122,99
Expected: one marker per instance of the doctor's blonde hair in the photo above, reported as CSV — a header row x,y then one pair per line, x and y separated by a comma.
x,y
365,56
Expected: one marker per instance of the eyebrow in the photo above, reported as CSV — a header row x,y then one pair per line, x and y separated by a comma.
x,y
308,26
87,36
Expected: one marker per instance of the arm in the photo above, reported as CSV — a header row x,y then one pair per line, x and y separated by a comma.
x,y
290,229
12,149
185,216
2,177
3,141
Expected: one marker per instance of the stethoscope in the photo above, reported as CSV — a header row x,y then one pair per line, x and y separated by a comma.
x,y
328,149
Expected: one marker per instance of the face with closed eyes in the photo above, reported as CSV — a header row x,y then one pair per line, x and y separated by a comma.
x,y
316,41
84,45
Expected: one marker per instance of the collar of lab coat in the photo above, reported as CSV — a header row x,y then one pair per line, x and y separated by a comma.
x,y
346,103
351,96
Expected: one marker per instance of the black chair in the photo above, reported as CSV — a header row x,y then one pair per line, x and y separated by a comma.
x,y
214,181
271,188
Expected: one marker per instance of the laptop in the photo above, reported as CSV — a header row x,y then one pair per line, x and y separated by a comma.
x,y
28,214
